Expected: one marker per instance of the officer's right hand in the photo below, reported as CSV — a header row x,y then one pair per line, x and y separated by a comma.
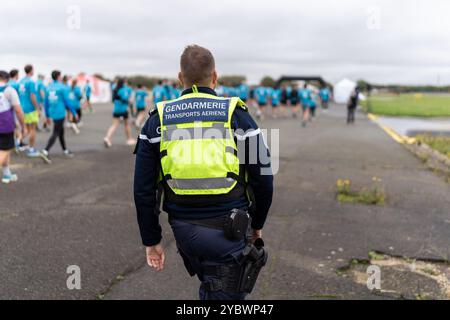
x,y
156,257
256,234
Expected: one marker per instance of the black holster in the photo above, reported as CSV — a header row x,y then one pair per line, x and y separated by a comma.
x,y
239,278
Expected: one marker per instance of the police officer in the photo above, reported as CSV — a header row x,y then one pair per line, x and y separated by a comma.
x,y
206,157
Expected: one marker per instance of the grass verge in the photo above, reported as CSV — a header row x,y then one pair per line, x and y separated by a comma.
x,y
441,144
408,105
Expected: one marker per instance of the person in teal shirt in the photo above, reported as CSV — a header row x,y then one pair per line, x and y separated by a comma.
x,y
57,103
141,105
71,96
305,96
159,93
30,107
77,97
121,97
130,92
87,95
325,96
40,87
243,91
13,79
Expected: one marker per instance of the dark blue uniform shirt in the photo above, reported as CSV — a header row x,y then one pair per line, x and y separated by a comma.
x,y
148,164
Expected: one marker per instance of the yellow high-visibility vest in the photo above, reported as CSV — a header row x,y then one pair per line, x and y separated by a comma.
x,y
199,155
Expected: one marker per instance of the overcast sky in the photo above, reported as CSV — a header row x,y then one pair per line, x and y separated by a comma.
x,y
401,41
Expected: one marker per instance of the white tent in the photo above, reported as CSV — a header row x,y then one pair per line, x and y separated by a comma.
x,y
101,90
343,90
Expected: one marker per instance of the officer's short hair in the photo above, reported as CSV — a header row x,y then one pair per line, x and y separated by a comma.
x,y
197,65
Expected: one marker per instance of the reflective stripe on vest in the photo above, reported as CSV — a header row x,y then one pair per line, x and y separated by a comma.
x,y
204,184
198,150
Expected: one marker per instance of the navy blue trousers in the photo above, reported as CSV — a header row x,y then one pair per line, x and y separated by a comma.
x,y
200,246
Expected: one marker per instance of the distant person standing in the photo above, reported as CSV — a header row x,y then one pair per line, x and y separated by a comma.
x,y
30,107
87,95
121,96
57,101
9,104
352,105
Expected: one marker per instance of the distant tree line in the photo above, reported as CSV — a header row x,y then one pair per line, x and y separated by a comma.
x,y
366,86
227,80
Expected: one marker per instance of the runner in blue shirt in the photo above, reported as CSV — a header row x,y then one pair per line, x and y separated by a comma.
x,y
158,93
13,79
130,92
78,96
40,87
243,90
325,96
57,104
71,96
305,99
276,100
294,99
13,82
261,95
176,91
87,95
121,96
30,107
141,95
313,105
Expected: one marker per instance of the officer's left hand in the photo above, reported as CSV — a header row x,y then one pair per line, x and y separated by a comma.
x,y
156,257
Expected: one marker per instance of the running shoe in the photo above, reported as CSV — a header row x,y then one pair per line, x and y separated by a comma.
x,y
75,128
32,153
44,155
9,178
68,154
131,142
107,142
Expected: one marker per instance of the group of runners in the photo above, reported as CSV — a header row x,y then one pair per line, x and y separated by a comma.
x,y
135,101
279,100
28,105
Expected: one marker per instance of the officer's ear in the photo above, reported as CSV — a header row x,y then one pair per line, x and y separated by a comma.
x,y
180,78
215,79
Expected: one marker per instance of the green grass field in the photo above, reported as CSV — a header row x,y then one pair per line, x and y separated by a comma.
x,y
412,105
441,144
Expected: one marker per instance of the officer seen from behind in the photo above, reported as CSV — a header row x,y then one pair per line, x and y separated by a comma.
x,y
206,158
